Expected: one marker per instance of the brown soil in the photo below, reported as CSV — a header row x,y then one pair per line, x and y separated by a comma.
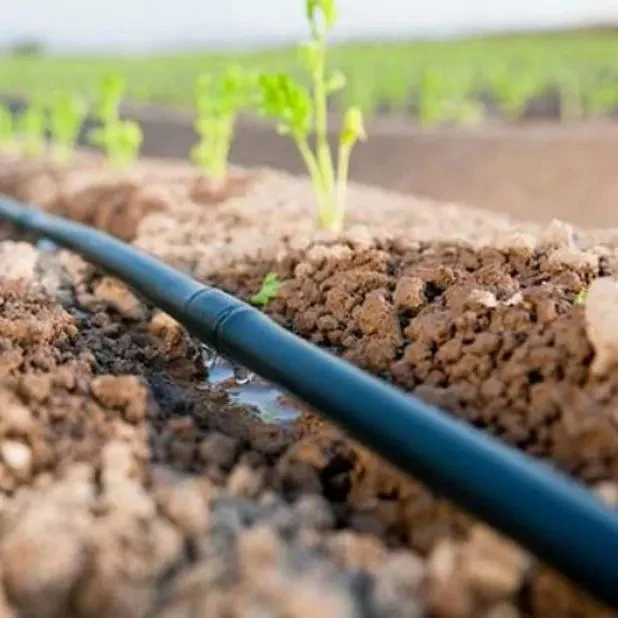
x,y
497,337
129,487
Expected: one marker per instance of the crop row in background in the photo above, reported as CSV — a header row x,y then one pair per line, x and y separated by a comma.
x,y
570,76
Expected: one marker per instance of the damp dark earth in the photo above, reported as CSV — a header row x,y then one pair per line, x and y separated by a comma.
x,y
270,404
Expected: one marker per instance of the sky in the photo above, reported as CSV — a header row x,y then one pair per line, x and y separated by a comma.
x,y
146,25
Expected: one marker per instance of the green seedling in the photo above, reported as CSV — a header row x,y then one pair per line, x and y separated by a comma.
x,y
66,114
31,129
443,98
580,298
432,97
513,89
268,291
300,112
110,96
7,128
218,102
120,140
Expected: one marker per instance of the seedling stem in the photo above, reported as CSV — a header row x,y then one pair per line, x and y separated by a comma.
x,y
268,290
300,113
218,103
120,140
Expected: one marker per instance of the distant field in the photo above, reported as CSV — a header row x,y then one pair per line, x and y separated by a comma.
x,y
569,75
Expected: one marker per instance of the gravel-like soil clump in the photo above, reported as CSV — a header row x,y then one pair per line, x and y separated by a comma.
x,y
130,485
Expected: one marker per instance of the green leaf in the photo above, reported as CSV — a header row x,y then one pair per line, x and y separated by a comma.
x,y
311,6
218,100
132,136
580,299
113,86
66,114
285,100
353,127
445,96
513,87
310,54
33,121
301,113
337,81
327,10
111,90
120,140
31,127
268,291
206,125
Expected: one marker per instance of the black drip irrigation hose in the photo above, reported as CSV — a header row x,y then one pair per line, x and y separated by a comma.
x,y
560,521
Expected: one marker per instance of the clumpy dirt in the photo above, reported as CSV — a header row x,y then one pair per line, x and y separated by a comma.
x,y
90,193
497,337
129,486
129,489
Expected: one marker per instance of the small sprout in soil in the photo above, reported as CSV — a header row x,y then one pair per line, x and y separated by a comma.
x,y
268,291
66,114
300,113
432,96
31,128
513,88
7,126
444,97
218,101
580,298
120,140
110,96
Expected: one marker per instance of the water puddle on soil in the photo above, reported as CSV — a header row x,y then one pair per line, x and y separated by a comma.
x,y
269,403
